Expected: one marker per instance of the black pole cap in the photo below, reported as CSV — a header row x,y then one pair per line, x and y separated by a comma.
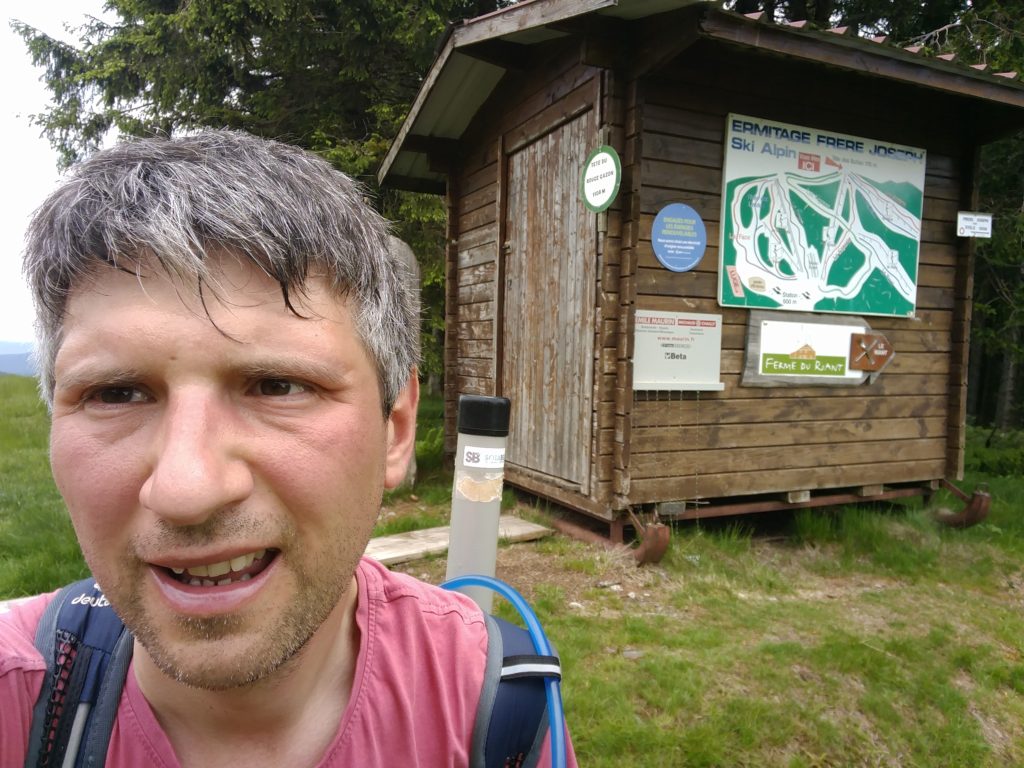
x,y
483,415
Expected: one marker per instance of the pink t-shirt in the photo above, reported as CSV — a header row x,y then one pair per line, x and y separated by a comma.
x,y
414,696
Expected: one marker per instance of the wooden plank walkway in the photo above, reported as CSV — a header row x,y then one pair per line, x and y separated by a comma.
x,y
403,547
413,545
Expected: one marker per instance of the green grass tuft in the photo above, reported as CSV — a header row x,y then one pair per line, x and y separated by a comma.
x,y
38,550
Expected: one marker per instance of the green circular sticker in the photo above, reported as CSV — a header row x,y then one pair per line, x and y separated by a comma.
x,y
599,182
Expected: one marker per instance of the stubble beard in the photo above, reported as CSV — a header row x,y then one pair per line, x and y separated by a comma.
x,y
199,660
226,652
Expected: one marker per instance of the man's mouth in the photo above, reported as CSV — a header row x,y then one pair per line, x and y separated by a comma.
x,y
219,574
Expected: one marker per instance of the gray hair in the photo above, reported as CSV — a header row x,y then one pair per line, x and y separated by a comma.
x,y
173,200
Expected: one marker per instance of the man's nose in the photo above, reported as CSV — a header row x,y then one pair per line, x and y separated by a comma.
x,y
198,462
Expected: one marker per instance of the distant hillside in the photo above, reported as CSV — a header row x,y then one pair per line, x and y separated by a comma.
x,y
17,363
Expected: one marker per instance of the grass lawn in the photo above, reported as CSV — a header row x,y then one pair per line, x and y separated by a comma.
x,y
855,637
38,550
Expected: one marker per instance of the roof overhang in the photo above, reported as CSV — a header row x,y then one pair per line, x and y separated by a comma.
x,y
477,53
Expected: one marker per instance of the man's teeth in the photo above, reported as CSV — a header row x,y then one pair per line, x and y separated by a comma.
x,y
207,575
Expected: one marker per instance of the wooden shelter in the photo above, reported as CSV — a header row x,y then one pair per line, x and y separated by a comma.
x,y
543,294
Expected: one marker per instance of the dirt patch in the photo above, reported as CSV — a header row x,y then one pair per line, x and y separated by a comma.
x,y
584,574
575,570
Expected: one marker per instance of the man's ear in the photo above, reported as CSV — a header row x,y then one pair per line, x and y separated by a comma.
x,y
402,432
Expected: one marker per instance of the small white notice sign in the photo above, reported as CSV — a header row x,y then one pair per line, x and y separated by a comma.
x,y
972,224
679,351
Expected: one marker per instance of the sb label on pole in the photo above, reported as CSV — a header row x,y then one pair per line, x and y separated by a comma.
x,y
485,457
600,179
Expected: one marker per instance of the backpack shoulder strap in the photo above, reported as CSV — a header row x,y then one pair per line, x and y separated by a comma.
x,y
87,651
511,718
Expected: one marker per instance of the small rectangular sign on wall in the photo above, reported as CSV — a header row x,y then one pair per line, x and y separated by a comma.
x,y
971,224
679,351
816,350
801,349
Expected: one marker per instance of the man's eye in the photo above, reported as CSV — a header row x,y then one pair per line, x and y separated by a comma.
x,y
280,387
118,395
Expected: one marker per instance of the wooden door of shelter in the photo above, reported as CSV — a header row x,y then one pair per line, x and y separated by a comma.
x,y
548,313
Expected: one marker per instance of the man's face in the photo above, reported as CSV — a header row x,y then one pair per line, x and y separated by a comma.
x,y
222,472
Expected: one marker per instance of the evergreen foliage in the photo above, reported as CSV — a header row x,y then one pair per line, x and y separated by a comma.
x,y
334,77
899,20
992,32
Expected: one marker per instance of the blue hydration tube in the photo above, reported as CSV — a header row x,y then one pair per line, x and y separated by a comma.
x,y
553,688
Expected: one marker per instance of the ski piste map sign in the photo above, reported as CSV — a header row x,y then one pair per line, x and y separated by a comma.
x,y
815,221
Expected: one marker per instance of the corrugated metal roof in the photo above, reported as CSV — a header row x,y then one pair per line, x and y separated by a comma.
x,y
459,82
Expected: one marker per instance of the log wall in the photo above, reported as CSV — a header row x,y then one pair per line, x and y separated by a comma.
x,y
906,427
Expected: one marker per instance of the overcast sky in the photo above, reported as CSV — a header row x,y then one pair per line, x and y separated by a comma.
x,y
30,169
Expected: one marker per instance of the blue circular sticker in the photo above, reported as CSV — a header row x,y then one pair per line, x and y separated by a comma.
x,y
679,237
